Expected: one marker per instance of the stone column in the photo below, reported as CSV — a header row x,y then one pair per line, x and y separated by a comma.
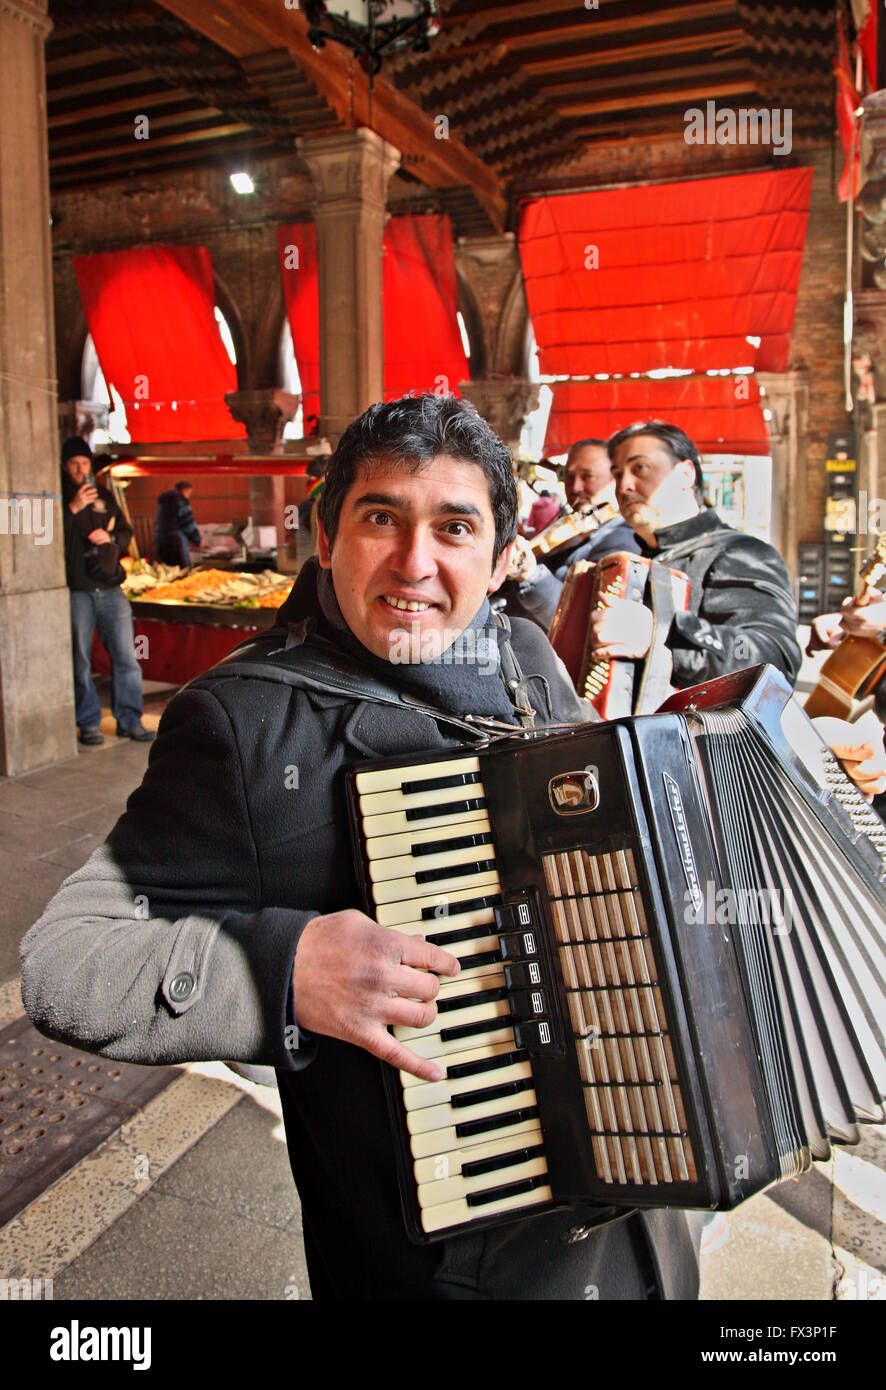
x,y
786,396
504,404
36,685
350,171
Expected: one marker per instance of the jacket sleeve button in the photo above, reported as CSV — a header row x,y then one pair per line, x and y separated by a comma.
x,y
182,986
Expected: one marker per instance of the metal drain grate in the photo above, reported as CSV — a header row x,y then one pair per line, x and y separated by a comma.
x,y
56,1105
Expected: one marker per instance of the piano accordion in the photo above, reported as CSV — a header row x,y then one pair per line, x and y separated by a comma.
x,y
673,956
618,687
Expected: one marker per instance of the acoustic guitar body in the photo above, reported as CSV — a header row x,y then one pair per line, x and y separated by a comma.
x,y
850,674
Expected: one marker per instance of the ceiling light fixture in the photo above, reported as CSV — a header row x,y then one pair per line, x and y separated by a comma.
x,y
242,183
371,28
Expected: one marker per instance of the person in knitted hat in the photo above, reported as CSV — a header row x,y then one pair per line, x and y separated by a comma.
x,y
96,535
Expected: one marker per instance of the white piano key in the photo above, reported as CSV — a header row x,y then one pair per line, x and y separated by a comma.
x,y
432,1194
436,1117
388,846
457,814
458,1212
443,1141
441,1092
449,1163
478,1013
440,1050
388,778
452,989
446,915
405,866
407,890
467,1054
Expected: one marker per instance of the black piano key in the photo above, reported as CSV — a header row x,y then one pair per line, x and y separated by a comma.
x,y
473,1030
432,784
508,1160
445,808
466,1128
507,1088
447,846
474,962
482,866
512,1189
446,938
435,914
502,1059
465,1001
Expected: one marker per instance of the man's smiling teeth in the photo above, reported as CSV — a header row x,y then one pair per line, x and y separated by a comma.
x,y
410,605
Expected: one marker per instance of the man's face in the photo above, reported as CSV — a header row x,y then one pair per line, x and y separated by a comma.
x,y
652,490
186,493
78,468
413,553
587,473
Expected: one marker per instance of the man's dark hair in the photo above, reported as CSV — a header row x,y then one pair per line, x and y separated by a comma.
x,y
180,486
584,444
410,432
678,445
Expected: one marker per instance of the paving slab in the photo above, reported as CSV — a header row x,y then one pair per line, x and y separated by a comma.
x,y
241,1166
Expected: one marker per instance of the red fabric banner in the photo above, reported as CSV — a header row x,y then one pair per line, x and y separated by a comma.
x,y
721,414
422,344
848,101
423,347
177,652
297,246
151,316
672,275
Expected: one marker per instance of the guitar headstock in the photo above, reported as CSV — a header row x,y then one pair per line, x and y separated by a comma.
x,y
873,571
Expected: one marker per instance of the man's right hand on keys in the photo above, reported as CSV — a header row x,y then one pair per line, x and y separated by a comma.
x,y
353,979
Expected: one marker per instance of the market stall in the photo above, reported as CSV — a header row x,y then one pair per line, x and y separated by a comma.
x,y
186,620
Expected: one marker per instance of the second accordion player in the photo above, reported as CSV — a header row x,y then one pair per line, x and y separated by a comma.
x,y
673,955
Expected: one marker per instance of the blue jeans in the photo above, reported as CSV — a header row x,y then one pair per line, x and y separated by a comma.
x,y
108,611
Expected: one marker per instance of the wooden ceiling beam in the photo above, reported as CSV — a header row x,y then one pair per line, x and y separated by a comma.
x,y
596,27
632,101
92,58
664,80
182,137
161,163
594,58
344,86
134,105
108,82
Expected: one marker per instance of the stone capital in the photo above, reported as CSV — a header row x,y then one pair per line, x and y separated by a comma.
x,y
30,12
264,413
786,396
349,170
503,404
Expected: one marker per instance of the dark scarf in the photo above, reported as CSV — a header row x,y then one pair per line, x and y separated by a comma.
x,y
464,679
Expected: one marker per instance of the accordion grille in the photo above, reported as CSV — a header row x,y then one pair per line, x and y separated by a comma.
x,y
629,1077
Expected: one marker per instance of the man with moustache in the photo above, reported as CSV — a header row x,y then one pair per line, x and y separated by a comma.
x,y
228,927
741,603
534,586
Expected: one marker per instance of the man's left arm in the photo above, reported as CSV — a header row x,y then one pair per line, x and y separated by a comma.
x,y
186,521
746,614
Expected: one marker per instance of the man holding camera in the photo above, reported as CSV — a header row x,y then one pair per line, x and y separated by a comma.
x,y
96,535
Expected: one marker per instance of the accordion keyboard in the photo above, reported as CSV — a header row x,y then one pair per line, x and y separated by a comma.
x,y
475,1137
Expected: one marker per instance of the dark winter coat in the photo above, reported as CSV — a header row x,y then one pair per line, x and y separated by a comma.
x,y
176,941
174,514
88,566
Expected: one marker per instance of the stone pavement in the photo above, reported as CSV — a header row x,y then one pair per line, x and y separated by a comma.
x,y
193,1199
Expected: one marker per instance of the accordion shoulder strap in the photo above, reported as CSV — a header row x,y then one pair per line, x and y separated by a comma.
x,y
313,663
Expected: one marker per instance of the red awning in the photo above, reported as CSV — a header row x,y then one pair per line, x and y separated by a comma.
x,y
422,344
719,414
673,275
151,316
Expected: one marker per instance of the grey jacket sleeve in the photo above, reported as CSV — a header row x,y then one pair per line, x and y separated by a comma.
x,y
158,949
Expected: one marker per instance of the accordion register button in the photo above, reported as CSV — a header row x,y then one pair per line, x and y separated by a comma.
x,y
518,945
535,1036
523,976
527,1004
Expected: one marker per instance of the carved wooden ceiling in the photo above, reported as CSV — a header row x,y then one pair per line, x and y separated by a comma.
x,y
528,86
